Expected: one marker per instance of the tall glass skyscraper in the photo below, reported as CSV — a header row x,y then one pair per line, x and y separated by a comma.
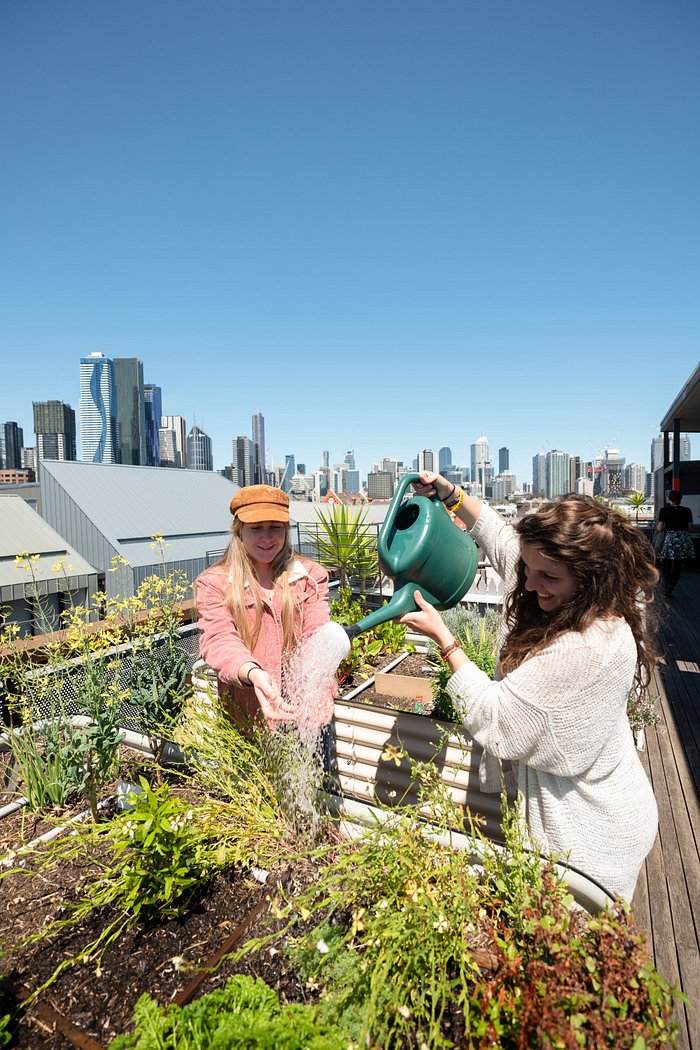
x,y
131,410
259,466
54,426
153,403
98,424
199,450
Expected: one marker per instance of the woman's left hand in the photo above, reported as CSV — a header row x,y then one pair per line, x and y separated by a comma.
x,y
428,621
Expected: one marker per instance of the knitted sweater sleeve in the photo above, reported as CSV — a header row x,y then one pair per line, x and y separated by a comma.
x,y
556,711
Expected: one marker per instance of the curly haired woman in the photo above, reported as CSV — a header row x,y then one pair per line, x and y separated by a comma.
x,y
575,640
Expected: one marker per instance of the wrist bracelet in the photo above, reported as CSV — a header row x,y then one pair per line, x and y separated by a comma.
x,y
255,667
454,507
454,489
449,649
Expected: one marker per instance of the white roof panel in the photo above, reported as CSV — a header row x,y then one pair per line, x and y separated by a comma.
x,y
21,529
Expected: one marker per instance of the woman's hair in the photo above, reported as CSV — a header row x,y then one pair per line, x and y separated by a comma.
x,y
675,497
241,575
613,563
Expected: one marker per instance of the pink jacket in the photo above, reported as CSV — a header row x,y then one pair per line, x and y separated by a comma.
x,y
221,646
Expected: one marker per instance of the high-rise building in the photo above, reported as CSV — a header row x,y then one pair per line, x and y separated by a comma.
x,y
350,459
199,450
557,476
54,426
657,453
539,474
481,465
179,427
351,480
612,472
636,478
153,409
167,446
426,460
11,445
503,460
380,484
259,465
444,459
290,470
131,410
243,463
97,409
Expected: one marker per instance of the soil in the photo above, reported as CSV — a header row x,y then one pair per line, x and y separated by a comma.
x,y
413,664
88,1009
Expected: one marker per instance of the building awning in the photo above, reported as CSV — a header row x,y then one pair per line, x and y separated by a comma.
x,y
685,410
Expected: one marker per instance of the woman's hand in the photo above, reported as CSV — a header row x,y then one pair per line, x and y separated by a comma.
x,y
268,696
432,484
428,621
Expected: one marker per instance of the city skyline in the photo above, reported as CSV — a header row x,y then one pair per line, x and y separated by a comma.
x,y
385,226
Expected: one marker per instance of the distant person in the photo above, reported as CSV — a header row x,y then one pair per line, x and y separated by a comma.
x,y
575,640
256,606
677,543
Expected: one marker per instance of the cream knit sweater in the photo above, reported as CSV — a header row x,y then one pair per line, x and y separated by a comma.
x,y
562,716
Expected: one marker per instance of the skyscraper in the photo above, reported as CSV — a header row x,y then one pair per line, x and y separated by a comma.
x,y
481,465
98,424
131,410
153,409
11,446
243,463
503,460
444,459
54,426
259,466
539,474
426,460
179,427
290,469
199,450
556,474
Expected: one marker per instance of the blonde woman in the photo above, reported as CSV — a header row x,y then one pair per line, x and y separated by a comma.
x,y
257,606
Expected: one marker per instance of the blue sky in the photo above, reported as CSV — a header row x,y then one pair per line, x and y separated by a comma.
x,y
385,225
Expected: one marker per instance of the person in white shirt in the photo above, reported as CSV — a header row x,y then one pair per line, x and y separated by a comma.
x,y
575,640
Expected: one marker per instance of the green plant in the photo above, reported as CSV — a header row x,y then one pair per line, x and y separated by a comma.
x,y
348,609
478,635
243,1015
635,500
641,709
346,542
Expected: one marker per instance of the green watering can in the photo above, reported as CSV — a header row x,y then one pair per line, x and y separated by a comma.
x,y
421,548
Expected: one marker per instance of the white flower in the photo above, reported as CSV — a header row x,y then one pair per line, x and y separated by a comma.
x,y
405,1012
322,947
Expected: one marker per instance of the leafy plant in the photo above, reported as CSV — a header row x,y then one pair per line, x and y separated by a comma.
x,y
347,609
636,500
641,709
243,1015
478,636
347,543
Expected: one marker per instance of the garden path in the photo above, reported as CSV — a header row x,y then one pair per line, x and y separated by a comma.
x,y
667,901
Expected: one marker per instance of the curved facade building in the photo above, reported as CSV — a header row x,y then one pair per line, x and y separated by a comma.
x,y
98,437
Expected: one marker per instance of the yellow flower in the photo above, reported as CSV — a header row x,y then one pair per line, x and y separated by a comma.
x,y
391,753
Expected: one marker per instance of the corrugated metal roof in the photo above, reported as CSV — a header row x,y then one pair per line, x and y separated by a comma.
x,y
134,503
306,513
21,529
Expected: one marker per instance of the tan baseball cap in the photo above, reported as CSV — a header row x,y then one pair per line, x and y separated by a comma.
x,y
260,503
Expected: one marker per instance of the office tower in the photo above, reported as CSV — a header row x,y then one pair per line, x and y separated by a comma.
x,y
290,470
243,462
97,410
350,459
11,445
480,465
444,459
611,472
54,426
199,450
636,477
380,484
179,427
351,480
657,453
326,460
153,410
426,460
259,465
539,474
503,460
167,446
685,448
30,460
556,474
131,410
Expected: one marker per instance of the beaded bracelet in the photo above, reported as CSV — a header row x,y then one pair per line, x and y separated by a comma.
x,y
444,653
454,507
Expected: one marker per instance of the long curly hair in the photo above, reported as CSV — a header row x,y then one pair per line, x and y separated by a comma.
x,y
613,563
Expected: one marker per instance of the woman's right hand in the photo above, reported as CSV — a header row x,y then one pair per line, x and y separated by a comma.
x,y
432,484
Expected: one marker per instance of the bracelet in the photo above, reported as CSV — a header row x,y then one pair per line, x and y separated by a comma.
x,y
448,650
454,489
255,667
454,507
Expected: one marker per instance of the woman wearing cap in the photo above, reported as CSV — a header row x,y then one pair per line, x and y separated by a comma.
x,y
257,605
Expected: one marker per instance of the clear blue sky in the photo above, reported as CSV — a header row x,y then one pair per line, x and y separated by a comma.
x,y
385,225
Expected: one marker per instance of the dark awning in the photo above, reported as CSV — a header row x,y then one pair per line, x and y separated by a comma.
x,y
686,408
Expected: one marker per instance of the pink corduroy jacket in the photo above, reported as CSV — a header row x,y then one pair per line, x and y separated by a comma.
x,y
220,643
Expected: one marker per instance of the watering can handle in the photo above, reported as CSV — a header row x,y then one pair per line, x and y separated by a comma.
x,y
388,522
